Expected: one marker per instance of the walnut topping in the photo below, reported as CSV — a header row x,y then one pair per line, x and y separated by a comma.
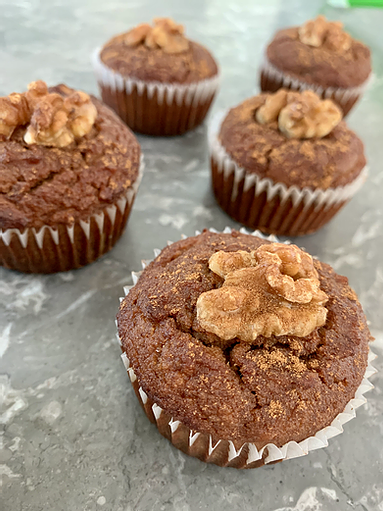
x,y
270,110
36,91
273,290
300,114
14,111
307,116
48,125
165,34
320,32
81,113
52,119
337,39
138,34
313,31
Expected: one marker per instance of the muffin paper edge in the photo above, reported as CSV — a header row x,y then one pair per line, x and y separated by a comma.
x,y
223,452
195,92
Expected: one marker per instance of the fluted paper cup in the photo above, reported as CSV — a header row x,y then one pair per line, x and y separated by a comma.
x,y
274,208
61,248
227,453
273,79
155,108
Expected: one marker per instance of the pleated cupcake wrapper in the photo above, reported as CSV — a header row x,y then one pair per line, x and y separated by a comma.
x,y
244,181
193,93
59,236
341,95
223,452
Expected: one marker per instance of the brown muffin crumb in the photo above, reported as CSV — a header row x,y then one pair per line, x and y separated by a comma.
x,y
274,389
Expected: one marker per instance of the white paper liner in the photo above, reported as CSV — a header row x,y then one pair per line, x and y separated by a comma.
x,y
195,93
39,235
338,93
274,453
308,196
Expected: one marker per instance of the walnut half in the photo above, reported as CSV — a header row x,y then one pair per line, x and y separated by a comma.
x,y
273,290
81,113
165,34
48,124
51,119
313,31
321,32
14,111
300,114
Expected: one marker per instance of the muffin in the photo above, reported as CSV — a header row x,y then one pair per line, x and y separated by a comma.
x,y
69,173
158,82
285,163
242,351
321,56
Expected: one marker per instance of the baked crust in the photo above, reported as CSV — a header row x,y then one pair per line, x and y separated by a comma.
x,y
274,389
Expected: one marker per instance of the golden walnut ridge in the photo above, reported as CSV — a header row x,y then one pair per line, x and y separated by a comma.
x,y
320,32
53,120
273,290
299,114
165,34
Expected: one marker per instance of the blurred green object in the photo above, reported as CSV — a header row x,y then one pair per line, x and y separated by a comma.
x,y
356,3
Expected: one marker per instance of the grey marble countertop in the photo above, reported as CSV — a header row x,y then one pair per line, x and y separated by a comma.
x,y
75,437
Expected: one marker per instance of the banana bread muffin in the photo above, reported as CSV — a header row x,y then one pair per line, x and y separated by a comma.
x,y
285,163
321,56
240,349
69,174
158,81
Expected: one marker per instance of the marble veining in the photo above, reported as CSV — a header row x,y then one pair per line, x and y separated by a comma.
x,y
74,437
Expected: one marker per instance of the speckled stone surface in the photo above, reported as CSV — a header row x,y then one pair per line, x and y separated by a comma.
x,y
74,435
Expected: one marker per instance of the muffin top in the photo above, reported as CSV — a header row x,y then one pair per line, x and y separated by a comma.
x,y
320,52
245,339
63,156
293,138
160,53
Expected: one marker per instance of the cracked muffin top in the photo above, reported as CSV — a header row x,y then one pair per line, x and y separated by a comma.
x,y
245,339
64,155
294,138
